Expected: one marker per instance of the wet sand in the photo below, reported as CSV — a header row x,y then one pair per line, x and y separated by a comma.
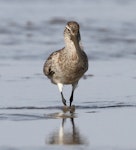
x,y
33,119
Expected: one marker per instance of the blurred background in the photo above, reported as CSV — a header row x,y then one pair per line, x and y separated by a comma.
x,y
31,29
105,102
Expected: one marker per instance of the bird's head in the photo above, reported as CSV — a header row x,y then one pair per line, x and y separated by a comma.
x,y
72,30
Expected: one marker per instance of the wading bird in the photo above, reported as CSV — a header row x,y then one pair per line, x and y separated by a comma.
x,y
67,65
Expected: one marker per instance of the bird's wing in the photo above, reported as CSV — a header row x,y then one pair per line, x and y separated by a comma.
x,y
49,66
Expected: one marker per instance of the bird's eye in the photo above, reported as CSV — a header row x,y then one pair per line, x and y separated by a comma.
x,y
68,29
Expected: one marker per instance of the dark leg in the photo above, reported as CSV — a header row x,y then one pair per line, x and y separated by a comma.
x,y
71,97
63,99
73,89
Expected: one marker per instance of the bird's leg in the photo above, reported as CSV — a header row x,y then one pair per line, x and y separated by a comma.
x,y
60,86
63,99
71,97
74,85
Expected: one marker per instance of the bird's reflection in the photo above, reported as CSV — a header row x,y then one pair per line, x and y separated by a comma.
x,y
66,136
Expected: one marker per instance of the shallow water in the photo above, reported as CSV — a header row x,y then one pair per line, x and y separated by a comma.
x,y
31,115
32,118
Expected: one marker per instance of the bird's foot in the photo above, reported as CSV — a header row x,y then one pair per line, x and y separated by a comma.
x,y
70,109
65,108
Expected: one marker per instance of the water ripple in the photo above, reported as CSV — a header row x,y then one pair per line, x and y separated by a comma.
x,y
18,114
20,117
86,105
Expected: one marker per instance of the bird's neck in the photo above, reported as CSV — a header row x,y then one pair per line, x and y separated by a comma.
x,y
73,45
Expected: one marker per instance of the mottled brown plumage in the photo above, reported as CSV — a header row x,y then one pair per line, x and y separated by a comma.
x,y
68,65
